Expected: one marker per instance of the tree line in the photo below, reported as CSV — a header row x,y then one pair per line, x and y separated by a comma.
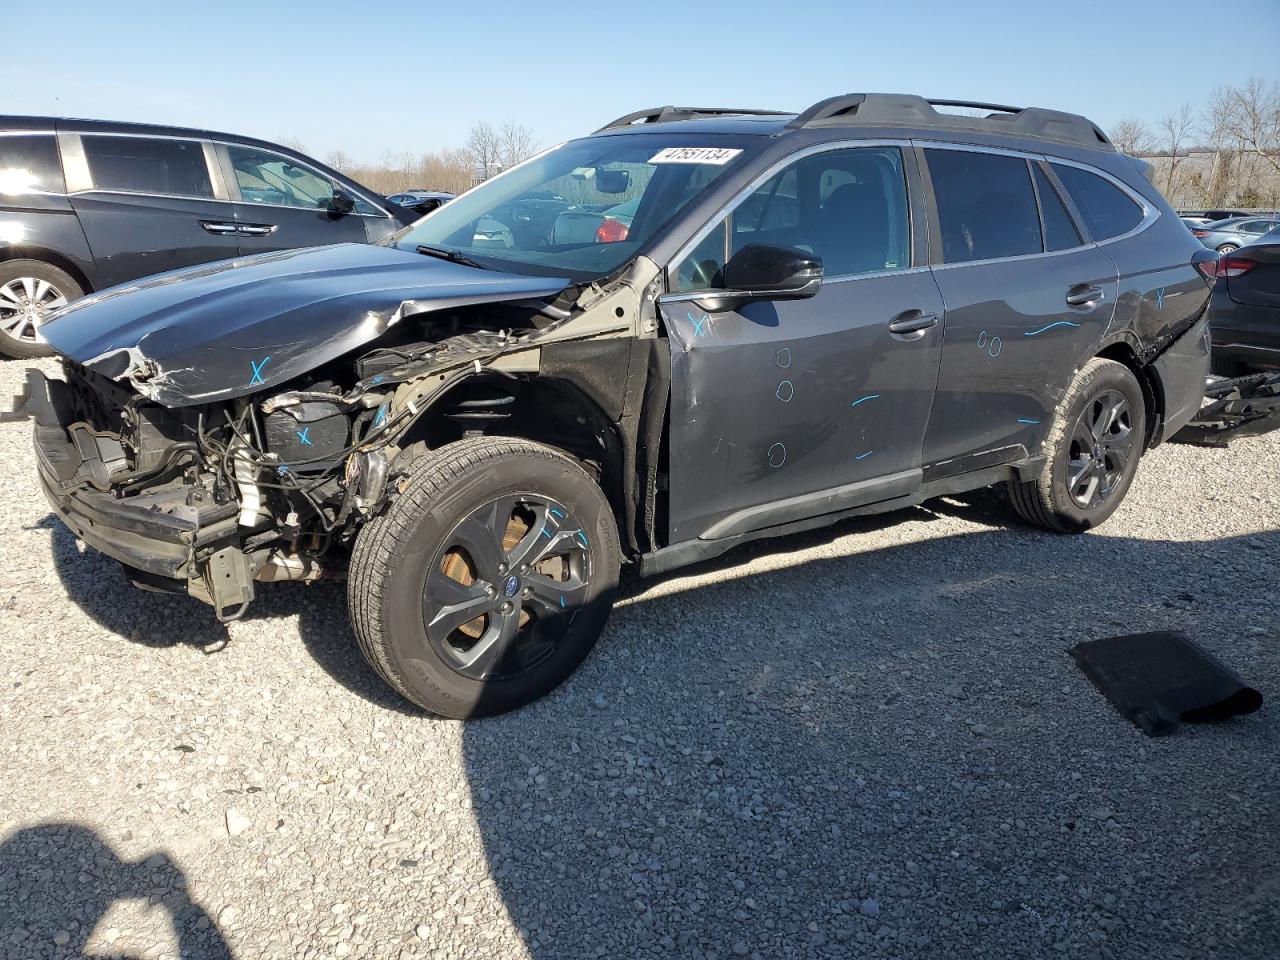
x,y
1225,154
488,150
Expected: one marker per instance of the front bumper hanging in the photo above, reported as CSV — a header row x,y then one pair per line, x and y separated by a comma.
x,y
1240,407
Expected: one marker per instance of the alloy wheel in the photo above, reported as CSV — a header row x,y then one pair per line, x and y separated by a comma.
x,y
503,590
25,302
1102,443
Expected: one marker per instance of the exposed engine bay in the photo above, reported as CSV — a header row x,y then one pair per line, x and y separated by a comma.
x,y
274,484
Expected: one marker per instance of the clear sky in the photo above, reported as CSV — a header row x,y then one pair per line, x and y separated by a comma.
x,y
376,76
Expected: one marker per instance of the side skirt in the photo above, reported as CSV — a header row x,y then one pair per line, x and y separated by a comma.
x,y
692,551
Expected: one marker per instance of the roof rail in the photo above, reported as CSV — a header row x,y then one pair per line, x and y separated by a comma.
x,y
896,109
669,112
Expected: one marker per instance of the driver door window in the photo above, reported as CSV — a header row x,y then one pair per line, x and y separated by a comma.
x,y
847,206
268,178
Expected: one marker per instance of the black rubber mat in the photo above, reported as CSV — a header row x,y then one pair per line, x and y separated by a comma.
x,y
1159,679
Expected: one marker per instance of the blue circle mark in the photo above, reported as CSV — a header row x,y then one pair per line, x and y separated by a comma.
x,y
994,348
784,357
777,455
786,390
511,587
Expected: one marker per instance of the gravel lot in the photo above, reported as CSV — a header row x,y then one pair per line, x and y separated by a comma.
x,y
868,741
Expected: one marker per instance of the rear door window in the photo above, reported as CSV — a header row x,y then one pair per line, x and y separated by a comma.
x,y
169,167
29,163
986,205
1107,210
1059,231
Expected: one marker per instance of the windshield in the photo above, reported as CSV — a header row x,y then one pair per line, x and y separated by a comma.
x,y
582,210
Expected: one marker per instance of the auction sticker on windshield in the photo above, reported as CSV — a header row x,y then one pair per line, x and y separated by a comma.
x,y
715,155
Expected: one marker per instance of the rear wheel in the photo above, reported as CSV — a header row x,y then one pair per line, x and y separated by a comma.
x,y
29,291
1092,451
488,580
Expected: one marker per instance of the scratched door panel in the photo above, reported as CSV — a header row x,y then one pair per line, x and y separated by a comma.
x,y
786,398
1012,345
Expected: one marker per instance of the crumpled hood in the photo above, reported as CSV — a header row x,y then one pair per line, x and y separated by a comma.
x,y
239,326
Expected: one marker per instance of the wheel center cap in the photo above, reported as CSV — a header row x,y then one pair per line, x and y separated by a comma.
x,y
510,587
1097,452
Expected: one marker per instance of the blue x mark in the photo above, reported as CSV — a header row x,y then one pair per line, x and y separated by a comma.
x,y
304,435
1159,297
257,371
697,326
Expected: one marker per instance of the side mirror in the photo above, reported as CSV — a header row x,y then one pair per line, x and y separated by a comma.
x,y
341,203
762,271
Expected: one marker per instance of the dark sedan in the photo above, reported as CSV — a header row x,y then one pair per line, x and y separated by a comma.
x,y
1245,308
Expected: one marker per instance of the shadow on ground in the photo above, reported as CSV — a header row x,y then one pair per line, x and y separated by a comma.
x,y
891,753
58,880
886,752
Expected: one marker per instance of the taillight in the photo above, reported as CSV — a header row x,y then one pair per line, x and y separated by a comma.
x,y
1199,233
1226,267
611,231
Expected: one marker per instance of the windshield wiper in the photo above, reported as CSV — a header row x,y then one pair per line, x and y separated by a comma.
x,y
453,256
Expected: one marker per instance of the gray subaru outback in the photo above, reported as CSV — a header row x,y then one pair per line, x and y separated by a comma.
x,y
693,328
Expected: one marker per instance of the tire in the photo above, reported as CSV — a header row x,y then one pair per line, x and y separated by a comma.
x,y
426,555
1052,501
1228,248
19,281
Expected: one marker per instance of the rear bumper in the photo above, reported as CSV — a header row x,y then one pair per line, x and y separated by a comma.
x,y
1182,370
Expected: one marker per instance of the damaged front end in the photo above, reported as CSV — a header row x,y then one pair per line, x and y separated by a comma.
x,y
207,484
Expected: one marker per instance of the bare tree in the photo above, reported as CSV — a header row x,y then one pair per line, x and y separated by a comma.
x,y
484,148
1175,130
293,143
340,161
1133,137
1249,118
515,143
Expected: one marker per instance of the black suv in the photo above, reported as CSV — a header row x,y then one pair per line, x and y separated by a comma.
x,y
86,204
777,321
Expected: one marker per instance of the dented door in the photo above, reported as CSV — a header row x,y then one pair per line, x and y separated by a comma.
x,y
797,408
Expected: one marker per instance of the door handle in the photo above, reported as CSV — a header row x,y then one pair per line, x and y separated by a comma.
x,y
256,229
1083,294
912,321
222,229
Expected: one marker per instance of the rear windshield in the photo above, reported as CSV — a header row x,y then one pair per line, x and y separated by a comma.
x,y
584,209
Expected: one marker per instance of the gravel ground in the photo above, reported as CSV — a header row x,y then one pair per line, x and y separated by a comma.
x,y
868,741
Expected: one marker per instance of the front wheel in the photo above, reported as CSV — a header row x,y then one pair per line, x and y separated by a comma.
x,y
1092,451
488,580
1228,248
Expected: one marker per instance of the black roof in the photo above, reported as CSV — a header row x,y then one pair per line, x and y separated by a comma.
x,y
883,110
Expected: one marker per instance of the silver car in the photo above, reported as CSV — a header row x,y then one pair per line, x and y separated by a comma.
x,y
1227,236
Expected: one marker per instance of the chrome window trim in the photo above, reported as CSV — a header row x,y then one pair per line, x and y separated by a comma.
x,y
381,215
90,186
1150,214
830,146
29,133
